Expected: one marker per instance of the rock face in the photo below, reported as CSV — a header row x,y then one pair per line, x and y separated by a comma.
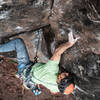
x,y
13,89
49,22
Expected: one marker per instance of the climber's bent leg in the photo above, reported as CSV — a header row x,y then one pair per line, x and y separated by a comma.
x,y
17,45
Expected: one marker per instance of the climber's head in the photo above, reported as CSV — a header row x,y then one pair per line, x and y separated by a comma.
x,y
65,83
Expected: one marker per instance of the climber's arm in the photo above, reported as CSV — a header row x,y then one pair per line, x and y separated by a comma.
x,y
63,47
60,50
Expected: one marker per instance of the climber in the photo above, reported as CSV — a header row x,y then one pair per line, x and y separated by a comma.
x,y
40,73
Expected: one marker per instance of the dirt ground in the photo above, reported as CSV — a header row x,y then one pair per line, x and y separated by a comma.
x,y
11,87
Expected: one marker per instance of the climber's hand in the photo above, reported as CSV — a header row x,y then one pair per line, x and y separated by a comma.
x,y
71,39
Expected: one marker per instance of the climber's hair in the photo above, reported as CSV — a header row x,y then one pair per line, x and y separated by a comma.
x,y
66,82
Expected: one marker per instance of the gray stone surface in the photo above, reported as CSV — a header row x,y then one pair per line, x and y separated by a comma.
x,y
19,18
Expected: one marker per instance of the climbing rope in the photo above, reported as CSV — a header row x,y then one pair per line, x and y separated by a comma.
x,y
37,47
